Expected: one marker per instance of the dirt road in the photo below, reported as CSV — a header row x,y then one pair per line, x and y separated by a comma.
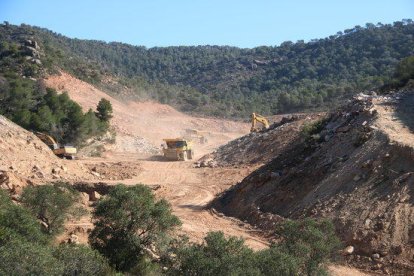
x,y
189,190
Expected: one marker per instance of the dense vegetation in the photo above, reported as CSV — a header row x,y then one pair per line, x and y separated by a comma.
x,y
403,75
34,107
305,247
129,221
230,81
26,246
25,100
132,235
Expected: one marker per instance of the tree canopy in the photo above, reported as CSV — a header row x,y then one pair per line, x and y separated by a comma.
x,y
227,81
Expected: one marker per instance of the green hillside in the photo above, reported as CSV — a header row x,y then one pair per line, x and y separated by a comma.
x,y
230,81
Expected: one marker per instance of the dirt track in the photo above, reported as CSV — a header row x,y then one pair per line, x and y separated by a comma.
x,y
188,189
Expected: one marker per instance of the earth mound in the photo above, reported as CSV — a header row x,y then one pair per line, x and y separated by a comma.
x,y
351,169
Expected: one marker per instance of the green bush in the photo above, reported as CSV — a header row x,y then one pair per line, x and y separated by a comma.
x,y
216,256
19,257
36,108
127,221
312,129
51,204
26,250
310,241
304,248
81,260
17,221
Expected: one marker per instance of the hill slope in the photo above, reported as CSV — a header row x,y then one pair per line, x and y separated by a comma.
x,y
141,126
230,81
354,170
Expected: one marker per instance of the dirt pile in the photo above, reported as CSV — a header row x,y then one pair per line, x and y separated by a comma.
x,y
260,147
114,171
26,160
351,170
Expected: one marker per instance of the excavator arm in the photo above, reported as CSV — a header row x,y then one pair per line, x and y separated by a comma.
x,y
256,118
48,140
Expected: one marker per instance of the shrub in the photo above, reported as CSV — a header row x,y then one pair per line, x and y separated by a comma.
x,y
52,204
313,128
311,242
19,257
305,246
81,260
216,256
127,221
17,221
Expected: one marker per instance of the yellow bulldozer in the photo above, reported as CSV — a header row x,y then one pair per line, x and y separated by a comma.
x,y
65,152
178,149
256,118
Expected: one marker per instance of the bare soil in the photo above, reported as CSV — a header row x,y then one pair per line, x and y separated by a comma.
x,y
358,171
131,160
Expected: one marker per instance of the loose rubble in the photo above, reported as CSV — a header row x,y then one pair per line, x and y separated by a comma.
x,y
351,171
244,150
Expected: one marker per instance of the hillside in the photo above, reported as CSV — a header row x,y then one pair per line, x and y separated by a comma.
x,y
228,81
355,168
141,126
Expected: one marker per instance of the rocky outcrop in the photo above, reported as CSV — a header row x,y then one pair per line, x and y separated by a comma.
x,y
351,172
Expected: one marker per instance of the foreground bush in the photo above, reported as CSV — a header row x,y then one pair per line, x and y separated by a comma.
x,y
128,221
218,255
17,221
81,260
52,204
304,249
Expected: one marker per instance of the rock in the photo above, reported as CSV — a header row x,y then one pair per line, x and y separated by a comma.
x,y
367,223
56,170
73,239
357,178
84,198
63,168
375,256
343,129
276,174
95,174
94,196
349,250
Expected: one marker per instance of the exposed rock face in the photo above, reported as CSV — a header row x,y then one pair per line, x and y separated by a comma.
x,y
25,160
359,177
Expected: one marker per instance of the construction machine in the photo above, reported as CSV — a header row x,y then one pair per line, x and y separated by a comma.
x,y
256,118
178,149
66,151
196,135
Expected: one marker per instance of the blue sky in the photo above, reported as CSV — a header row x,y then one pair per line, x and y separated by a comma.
x,y
200,22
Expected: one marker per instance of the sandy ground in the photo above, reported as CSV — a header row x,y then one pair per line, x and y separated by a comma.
x,y
188,189
150,120
395,118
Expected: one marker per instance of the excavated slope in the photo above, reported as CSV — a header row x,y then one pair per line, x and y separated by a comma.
x,y
26,160
353,172
268,143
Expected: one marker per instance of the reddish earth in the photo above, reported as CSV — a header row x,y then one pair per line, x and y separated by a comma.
x,y
140,127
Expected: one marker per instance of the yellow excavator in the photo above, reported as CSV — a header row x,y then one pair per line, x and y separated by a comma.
x,y
256,118
65,152
178,149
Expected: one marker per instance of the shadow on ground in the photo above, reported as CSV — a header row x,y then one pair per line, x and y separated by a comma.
x,y
405,110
